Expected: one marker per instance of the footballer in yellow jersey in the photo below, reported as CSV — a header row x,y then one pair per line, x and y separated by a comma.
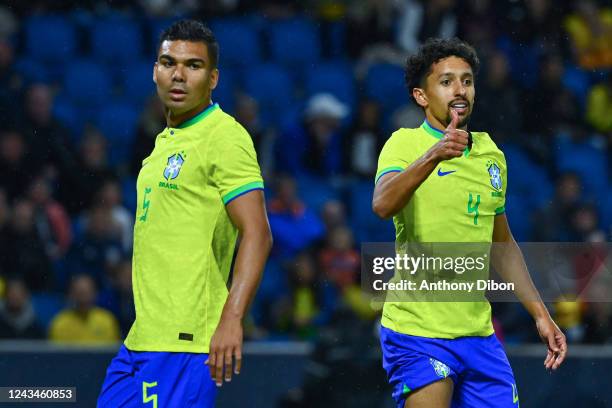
x,y
443,183
197,191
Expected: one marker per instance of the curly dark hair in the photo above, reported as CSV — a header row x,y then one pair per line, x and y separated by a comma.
x,y
192,30
418,65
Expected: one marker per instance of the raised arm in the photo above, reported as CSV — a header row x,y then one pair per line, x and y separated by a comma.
x,y
393,190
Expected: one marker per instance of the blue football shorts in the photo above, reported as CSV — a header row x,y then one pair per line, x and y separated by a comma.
x,y
478,366
157,380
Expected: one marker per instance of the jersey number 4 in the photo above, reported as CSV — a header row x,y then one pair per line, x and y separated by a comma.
x,y
473,207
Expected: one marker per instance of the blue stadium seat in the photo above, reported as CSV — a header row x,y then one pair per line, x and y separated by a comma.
x,y
137,81
156,26
366,225
46,306
32,70
577,81
68,114
118,122
588,161
336,78
50,38
128,192
238,41
527,179
295,43
225,92
315,191
117,40
384,83
605,210
519,214
272,87
87,83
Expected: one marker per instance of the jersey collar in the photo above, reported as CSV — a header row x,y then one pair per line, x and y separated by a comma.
x,y
438,134
199,117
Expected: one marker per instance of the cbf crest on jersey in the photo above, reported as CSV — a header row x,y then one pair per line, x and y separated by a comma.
x,y
495,174
175,162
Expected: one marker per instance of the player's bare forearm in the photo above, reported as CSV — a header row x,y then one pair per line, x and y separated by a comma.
x,y
508,260
248,214
393,191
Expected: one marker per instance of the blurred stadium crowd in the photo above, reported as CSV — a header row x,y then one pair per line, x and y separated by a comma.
x,y
319,85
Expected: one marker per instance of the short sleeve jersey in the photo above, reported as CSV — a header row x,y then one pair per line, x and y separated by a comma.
x,y
456,203
183,237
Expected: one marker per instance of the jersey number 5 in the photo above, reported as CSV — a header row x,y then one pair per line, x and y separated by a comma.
x,y
148,398
145,204
473,208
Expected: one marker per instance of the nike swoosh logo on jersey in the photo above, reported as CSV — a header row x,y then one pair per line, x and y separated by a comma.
x,y
444,173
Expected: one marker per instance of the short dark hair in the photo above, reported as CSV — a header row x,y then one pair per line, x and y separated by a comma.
x,y
418,65
192,30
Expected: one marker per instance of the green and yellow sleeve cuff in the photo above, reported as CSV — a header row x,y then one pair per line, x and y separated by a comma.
x,y
387,170
232,195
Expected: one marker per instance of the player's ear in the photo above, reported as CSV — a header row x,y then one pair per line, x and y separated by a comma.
x,y
419,96
155,72
214,78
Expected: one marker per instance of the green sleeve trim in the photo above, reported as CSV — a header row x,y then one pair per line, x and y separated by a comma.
x,y
500,210
387,170
256,185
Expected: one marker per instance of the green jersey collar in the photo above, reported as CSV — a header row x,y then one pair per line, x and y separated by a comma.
x,y
199,117
437,133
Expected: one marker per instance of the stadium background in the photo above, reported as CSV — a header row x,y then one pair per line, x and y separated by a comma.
x,y
319,85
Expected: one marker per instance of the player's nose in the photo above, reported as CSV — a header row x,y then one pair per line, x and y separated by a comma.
x,y
178,75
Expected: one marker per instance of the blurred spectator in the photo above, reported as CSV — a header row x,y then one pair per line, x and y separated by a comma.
x,y
100,247
590,32
84,322
568,315
25,254
46,138
10,83
369,23
553,220
52,221
497,108
109,198
5,214
92,173
333,214
152,121
313,146
306,308
247,114
364,140
547,107
422,20
340,263
119,298
338,259
15,166
584,223
599,106
17,317
294,226
480,35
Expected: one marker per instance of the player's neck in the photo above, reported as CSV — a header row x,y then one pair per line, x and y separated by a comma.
x,y
174,120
